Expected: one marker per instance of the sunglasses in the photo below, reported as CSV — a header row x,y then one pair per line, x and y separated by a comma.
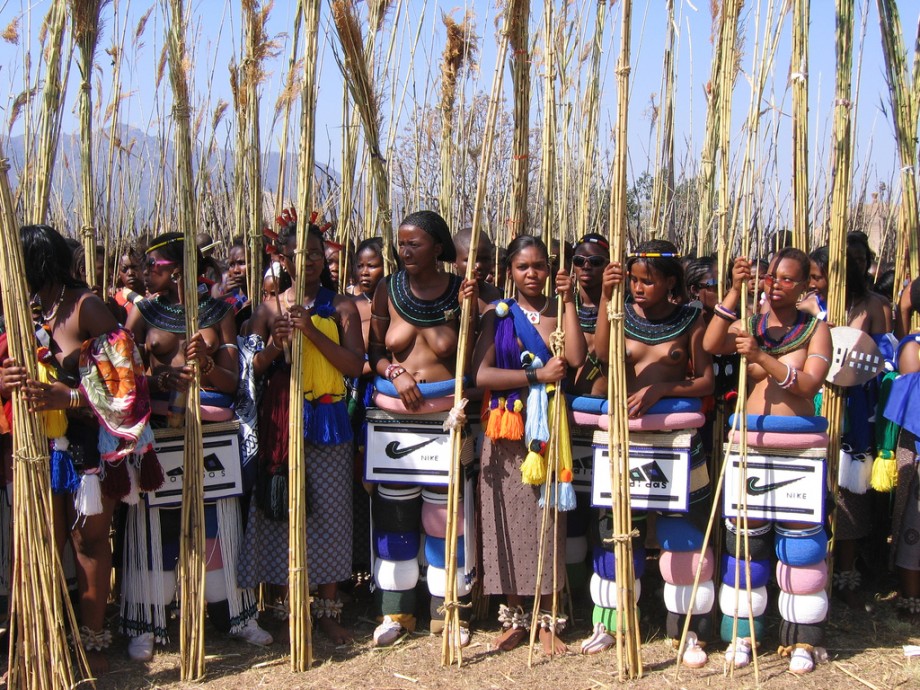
x,y
153,263
707,284
769,279
594,261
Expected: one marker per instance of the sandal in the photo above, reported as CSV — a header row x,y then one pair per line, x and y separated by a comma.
x,y
739,653
600,640
694,655
801,662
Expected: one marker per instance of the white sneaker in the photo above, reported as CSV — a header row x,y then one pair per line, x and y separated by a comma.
x,y
387,632
253,634
140,648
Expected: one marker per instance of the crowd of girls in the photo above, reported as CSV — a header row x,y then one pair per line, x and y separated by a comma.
x,y
383,351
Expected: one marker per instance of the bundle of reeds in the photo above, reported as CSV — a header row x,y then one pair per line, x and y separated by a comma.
x,y
592,101
904,93
833,401
357,75
285,100
547,180
192,555
85,15
41,615
258,47
629,658
459,47
707,176
798,75
663,185
300,621
41,172
728,37
518,17
450,649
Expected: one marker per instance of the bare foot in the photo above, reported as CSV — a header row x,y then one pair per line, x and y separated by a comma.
x,y
552,645
509,639
98,663
334,631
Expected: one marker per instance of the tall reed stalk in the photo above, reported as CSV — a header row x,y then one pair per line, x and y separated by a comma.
x,y
450,648
833,401
192,552
904,94
663,186
801,226
592,102
519,18
300,622
629,658
85,15
40,175
258,48
458,48
357,73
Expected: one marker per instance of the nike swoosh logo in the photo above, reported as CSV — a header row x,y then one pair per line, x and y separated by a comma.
x,y
394,451
755,490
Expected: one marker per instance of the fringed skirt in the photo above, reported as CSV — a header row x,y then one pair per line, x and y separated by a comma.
x,y
511,521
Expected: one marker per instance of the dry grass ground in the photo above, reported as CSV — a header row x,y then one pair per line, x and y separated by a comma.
x,y
865,650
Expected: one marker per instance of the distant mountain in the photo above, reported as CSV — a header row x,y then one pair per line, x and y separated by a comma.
x,y
136,169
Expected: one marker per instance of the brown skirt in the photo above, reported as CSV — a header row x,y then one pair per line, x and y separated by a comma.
x,y
511,520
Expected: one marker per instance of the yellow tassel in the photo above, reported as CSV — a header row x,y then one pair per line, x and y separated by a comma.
x,y
533,469
884,472
563,443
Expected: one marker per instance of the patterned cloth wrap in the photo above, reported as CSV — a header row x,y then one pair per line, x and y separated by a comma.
x,y
112,378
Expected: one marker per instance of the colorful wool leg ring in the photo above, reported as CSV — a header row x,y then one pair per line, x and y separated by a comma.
x,y
677,598
679,567
760,572
805,580
744,628
728,596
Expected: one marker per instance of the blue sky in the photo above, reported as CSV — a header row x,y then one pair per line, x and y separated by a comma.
x,y
216,29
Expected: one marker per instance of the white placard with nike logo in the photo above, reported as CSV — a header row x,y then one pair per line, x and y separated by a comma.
x,y
407,450
659,471
785,485
223,474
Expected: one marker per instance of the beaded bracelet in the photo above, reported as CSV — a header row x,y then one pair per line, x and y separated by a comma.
x,y
394,371
207,367
389,370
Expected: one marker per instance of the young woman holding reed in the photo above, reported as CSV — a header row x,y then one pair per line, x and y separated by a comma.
x,y
667,369
158,324
513,361
413,351
590,258
788,357
333,350
82,351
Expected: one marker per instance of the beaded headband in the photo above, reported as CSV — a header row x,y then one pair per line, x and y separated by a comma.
x,y
164,243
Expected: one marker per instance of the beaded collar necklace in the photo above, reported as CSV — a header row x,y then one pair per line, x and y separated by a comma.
x,y
652,332
423,313
801,332
587,316
171,317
